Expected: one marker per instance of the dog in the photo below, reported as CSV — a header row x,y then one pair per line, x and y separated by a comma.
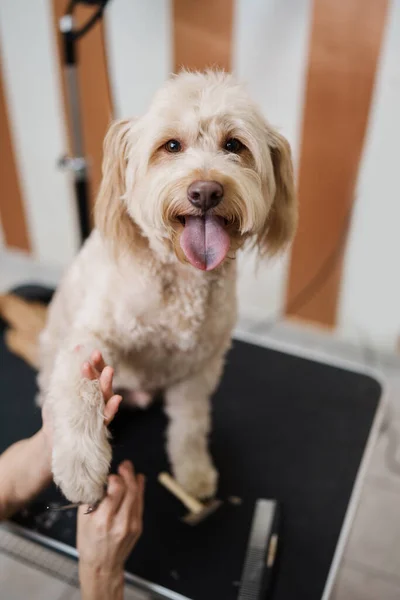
x,y
184,187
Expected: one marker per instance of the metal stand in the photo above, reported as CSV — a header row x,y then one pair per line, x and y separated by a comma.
x,y
77,162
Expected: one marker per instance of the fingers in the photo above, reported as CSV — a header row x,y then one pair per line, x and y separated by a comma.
x,y
97,369
109,506
111,408
141,481
131,509
97,360
91,370
88,371
106,380
127,473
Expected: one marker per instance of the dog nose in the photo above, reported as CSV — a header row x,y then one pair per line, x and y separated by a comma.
x,y
205,194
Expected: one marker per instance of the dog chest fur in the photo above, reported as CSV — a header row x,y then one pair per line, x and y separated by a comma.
x,y
165,320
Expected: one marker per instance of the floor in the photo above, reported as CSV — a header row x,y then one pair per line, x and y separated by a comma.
x,y
19,581
370,567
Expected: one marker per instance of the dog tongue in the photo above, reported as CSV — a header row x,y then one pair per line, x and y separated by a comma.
x,y
205,241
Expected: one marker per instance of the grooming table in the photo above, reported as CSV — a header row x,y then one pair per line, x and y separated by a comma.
x,y
284,427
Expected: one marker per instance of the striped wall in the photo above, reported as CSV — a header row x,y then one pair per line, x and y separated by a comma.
x,y
325,72
369,303
344,48
271,54
14,220
33,98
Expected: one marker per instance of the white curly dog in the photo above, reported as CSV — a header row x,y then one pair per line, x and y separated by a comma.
x,y
153,288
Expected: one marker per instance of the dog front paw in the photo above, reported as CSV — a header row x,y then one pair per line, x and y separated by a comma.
x,y
82,477
81,450
198,477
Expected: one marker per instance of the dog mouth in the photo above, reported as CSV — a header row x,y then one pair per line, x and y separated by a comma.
x,y
204,240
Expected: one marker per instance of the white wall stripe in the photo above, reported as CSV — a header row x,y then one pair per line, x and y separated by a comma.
x,y
1,236
139,51
370,298
33,96
271,39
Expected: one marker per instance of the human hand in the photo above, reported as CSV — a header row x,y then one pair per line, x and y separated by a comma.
x,y
97,369
106,537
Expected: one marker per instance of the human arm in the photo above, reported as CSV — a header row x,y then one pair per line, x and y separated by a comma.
x,y
25,467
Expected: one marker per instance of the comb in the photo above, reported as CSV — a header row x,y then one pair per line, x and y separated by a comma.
x,y
258,570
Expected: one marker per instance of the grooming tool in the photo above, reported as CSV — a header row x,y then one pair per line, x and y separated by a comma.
x,y
258,571
65,507
91,508
197,510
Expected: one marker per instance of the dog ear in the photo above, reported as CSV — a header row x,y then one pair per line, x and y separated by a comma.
x,y
110,212
281,223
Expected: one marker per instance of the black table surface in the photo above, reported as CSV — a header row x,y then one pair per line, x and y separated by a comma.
x,y
283,427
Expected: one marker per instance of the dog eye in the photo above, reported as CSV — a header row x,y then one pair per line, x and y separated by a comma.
x,y
173,146
233,145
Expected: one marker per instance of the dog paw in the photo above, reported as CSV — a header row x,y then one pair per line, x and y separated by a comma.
x,y
81,478
198,478
81,450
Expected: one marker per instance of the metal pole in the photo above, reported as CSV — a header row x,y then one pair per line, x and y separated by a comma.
x,y
75,163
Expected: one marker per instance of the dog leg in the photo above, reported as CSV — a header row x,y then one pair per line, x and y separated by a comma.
x,y
188,407
81,451
138,398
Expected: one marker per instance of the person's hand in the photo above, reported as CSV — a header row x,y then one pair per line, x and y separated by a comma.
x,y
97,369
106,537
93,369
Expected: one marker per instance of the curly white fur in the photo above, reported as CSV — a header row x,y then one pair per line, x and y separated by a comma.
x,y
130,293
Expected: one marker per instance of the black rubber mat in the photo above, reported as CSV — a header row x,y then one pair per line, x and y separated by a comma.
x,y
284,428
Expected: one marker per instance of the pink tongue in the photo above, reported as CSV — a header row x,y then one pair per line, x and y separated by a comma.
x,y
205,241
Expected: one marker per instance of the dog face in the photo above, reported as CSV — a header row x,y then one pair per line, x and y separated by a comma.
x,y
200,173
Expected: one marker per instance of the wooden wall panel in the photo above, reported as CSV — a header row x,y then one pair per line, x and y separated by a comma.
x,y
12,212
95,95
202,33
345,45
